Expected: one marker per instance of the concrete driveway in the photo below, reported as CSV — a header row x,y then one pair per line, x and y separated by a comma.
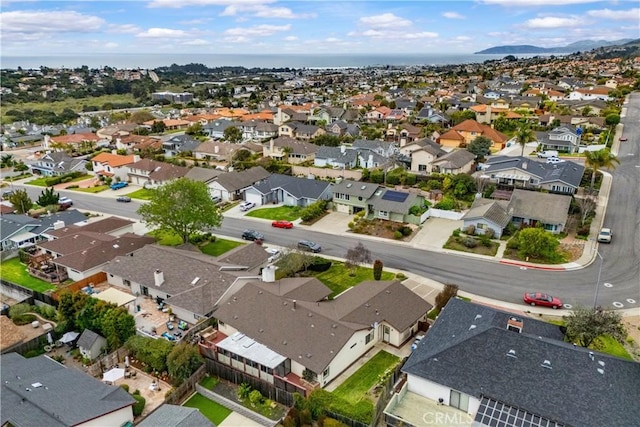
x,y
434,233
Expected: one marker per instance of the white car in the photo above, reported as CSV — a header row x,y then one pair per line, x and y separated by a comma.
x,y
605,235
554,160
65,201
274,254
245,206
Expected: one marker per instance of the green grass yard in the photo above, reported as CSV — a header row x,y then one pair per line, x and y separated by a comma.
x,y
610,346
96,189
287,213
166,238
14,271
141,194
215,412
41,182
357,386
338,278
219,247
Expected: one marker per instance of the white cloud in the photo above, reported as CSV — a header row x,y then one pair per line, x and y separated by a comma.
x,y
395,35
537,2
631,14
177,4
258,30
553,22
386,20
162,33
453,15
291,38
49,22
124,29
262,11
196,42
462,38
195,21
332,40
111,45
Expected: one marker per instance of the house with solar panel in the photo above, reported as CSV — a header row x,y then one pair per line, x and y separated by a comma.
x,y
378,202
478,366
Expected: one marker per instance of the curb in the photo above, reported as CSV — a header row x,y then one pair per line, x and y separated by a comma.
x,y
532,266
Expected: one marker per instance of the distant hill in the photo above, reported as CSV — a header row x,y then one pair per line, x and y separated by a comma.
x,y
626,50
570,48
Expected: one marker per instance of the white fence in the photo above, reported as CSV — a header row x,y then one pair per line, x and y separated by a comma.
x,y
439,213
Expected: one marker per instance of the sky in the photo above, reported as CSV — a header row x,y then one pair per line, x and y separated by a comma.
x,y
35,28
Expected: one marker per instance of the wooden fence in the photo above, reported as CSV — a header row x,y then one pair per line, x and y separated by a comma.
x,y
186,389
76,286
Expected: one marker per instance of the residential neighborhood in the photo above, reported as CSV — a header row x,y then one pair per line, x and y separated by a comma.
x,y
371,246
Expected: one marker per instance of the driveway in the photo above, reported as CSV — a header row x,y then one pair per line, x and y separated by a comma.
x,y
434,233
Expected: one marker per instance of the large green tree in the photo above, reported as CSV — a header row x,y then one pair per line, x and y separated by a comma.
x,y
537,243
183,206
233,134
21,201
183,361
586,325
524,135
599,159
480,146
48,197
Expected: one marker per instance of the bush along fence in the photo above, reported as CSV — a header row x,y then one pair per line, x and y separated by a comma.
x,y
187,388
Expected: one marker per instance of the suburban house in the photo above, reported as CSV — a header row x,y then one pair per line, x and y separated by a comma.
x,y
170,124
287,330
564,139
462,134
294,151
175,416
193,284
300,131
113,165
486,114
351,196
492,368
177,144
76,141
457,161
206,175
258,130
288,190
19,231
139,144
287,114
383,148
420,154
151,173
522,172
91,344
40,391
229,186
57,163
82,252
344,157
377,115
591,92
216,128
487,214
428,115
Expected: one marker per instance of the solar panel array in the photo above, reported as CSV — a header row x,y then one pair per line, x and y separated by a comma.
x,y
493,413
395,196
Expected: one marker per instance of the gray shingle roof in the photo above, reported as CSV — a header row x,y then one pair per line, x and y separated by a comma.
x,y
88,338
299,188
233,181
355,188
11,224
67,396
474,361
549,208
175,416
203,174
379,202
568,172
455,159
491,210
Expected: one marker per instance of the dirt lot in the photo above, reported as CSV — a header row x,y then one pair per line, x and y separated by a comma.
x,y
382,228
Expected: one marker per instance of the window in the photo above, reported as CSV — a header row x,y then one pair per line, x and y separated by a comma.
x,y
422,168
126,282
369,337
325,374
481,226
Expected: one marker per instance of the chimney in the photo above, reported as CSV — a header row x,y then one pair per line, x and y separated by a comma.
x,y
58,225
158,278
114,152
271,146
216,149
294,304
343,149
136,158
524,165
269,274
515,324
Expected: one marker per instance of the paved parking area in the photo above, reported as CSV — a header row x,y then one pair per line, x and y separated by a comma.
x,y
434,233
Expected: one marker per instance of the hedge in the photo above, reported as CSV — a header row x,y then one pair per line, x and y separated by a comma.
x,y
55,180
138,407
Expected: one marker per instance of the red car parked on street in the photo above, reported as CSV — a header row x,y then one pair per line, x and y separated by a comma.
x,y
543,300
282,224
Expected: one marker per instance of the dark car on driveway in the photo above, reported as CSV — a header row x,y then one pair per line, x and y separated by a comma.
x,y
307,245
252,235
543,300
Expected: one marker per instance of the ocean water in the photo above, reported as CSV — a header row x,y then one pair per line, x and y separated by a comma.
x,y
248,61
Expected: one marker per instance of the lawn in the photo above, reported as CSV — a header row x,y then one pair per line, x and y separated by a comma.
x,y
287,213
142,194
14,271
166,238
96,189
219,247
454,243
215,412
41,182
209,382
610,346
357,386
18,177
339,278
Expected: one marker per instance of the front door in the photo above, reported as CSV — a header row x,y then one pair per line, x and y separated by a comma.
x,y
145,291
386,333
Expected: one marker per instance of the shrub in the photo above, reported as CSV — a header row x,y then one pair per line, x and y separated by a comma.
x,y
313,211
244,390
485,240
456,232
471,230
138,407
319,264
434,184
489,233
19,310
397,235
449,291
331,422
470,242
24,319
405,230
125,387
305,417
400,276
513,243
255,397
289,422
351,225
377,269
446,204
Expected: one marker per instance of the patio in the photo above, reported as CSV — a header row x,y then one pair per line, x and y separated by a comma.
x,y
155,322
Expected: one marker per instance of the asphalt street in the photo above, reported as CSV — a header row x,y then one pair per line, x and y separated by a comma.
x,y
620,264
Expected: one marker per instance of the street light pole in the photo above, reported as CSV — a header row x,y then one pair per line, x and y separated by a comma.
x,y
595,298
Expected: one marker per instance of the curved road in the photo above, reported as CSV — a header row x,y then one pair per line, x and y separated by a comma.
x,y
620,272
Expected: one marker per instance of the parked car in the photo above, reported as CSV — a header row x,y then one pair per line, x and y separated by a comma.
x,y
245,206
119,185
7,194
216,199
554,160
307,245
65,202
547,153
274,254
605,235
124,199
252,235
623,139
282,224
543,300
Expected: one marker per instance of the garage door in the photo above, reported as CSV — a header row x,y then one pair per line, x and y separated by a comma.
x,y
342,208
253,197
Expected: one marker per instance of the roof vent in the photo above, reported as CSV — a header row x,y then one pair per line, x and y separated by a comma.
x,y
334,326
284,342
364,187
310,314
478,316
600,362
546,364
308,355
116,246
349,185
195,280
601,371
472,327
512,353
261,330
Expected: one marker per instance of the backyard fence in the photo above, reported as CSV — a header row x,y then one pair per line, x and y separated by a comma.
x,y
186,389
76,286
10,289
107,362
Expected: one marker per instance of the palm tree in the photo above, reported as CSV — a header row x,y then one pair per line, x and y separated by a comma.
x,y
7,161
524,135
597,160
